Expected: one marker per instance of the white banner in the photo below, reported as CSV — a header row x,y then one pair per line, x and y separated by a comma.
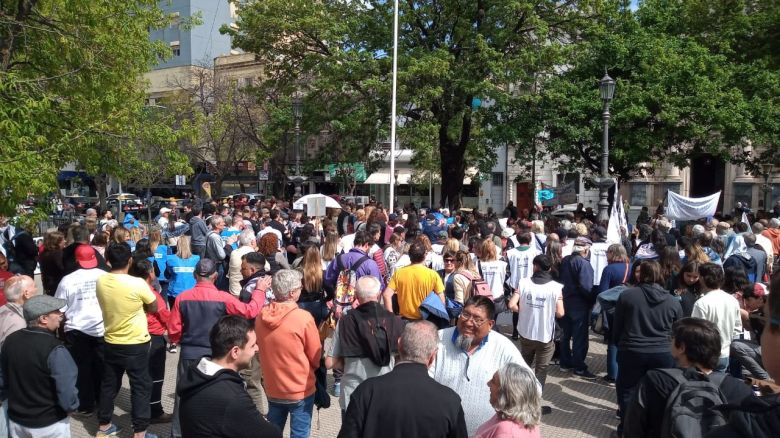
x,y
617,220
683,208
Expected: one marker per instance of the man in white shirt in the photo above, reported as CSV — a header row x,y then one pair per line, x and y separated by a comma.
x,y
247,243
468,356
538,301
164,219
84,324
520,260
717,306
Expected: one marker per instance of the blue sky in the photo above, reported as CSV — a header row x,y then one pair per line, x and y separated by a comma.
x,y
634,4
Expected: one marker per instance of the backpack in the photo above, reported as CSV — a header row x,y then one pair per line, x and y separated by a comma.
x,y
689,410
345,284
8,246
478,285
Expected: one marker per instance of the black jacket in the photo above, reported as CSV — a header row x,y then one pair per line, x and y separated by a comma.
x,y
645,413
643,319
404,403
218,406
755,417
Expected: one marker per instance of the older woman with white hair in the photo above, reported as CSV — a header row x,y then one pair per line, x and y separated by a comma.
x,y
515,396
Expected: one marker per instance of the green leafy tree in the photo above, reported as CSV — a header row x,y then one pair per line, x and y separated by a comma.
x,y
690,80
450,52
71,89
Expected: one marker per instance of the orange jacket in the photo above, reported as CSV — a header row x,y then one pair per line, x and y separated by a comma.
x,y
290,350
773,234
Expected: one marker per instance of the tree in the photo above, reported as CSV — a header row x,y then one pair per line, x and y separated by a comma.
x,y
227,120
451,52
686,85
70,85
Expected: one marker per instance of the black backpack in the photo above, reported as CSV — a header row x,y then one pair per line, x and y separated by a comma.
x,y
689,409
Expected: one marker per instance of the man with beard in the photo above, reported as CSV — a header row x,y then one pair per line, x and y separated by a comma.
x,y
468,356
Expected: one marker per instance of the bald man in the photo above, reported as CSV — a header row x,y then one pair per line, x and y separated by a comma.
x,y
18,290
357,348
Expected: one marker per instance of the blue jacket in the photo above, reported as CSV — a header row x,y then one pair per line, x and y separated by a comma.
x,y
180,273
576,275
612,275
161,258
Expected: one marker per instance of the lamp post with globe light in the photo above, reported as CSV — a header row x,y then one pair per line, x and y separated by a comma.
x,y
607,91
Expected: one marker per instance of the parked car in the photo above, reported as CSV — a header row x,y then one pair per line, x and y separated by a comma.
x,y
126,202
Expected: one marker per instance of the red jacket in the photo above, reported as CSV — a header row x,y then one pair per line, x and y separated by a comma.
x,y
197,310
158,321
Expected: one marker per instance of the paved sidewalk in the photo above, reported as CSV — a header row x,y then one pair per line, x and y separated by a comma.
x,y
581,408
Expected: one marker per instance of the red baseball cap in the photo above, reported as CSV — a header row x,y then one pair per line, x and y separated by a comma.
x,y
85,256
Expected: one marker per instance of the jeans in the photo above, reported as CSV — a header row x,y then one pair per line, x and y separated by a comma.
x,y
157,354
181,369
575,330
537,355
133,360
87,352
633,366
4,420
612,365
747,354
300,416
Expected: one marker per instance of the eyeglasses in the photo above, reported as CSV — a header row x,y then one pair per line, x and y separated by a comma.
x,y
449,260
465,316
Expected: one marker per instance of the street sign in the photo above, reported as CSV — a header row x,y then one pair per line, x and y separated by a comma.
x,y
180,180
262,173
315,206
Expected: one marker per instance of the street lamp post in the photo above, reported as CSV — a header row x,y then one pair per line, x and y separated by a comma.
x,y
297,107
768,170
607,90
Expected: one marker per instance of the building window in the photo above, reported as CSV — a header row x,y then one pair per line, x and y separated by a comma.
x,y
638,194
498,179
743,193
175,20
670,187
245,82
566,178
176,48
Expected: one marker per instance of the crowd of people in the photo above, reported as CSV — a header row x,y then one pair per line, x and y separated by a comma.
x,y
260,302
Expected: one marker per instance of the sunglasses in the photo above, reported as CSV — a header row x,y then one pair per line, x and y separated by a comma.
x,y
449,260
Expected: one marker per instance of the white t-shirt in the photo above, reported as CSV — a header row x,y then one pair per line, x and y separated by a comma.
x,y
494,274
521,265
537,309
598,260
82,310
567,247
347,242
723,310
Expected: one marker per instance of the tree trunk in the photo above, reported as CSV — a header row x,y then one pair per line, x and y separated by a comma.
x,y
100,187
216,188
453,169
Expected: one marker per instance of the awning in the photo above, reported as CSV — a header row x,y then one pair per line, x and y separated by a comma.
x,y
404,177
383,177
